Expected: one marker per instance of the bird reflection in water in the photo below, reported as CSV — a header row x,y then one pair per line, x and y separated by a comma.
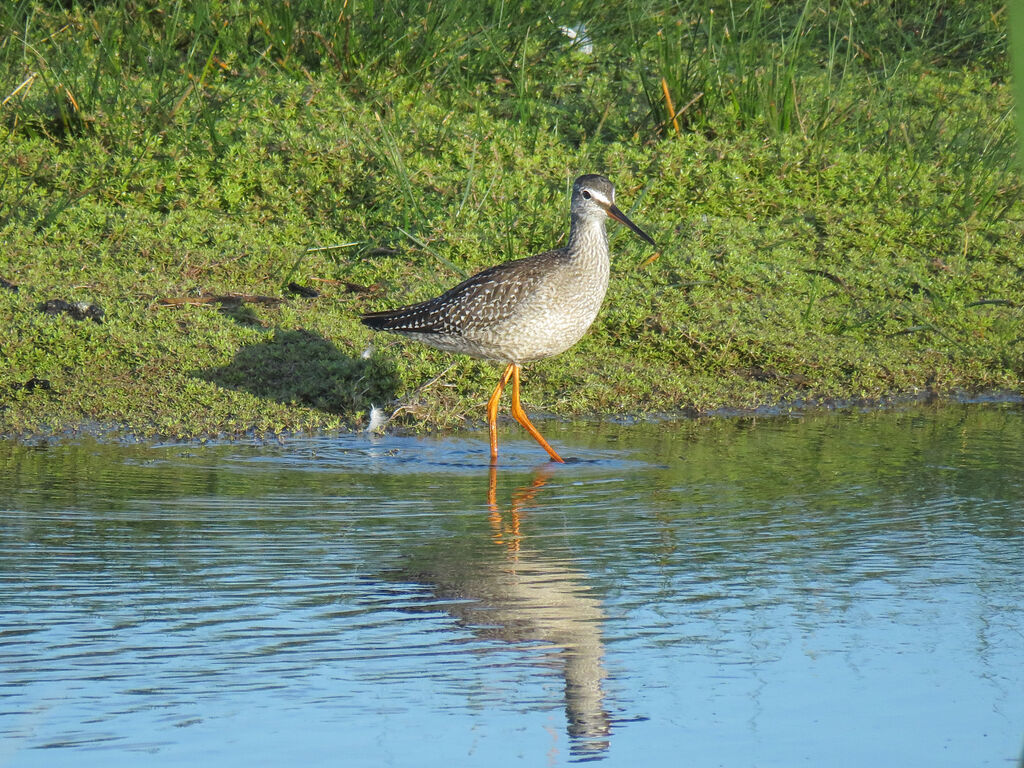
x,y
544,601
512,593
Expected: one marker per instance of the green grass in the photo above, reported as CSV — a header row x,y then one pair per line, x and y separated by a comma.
x,y
838,213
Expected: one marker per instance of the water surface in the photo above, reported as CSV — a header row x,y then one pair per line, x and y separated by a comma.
x,y
843,589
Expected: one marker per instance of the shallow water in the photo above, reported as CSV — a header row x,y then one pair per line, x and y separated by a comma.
x,y
843,589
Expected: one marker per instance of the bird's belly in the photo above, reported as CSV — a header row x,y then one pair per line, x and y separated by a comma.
x,y
535,332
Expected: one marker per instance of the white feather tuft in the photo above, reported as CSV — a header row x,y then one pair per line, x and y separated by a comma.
x,y
378,420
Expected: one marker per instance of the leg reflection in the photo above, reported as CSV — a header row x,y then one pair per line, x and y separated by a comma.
x,y
507,526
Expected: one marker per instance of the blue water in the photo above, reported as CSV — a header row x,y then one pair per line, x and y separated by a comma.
x,y
842,589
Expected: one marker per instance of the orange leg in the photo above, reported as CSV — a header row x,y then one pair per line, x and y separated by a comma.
x,y
492,410
520,415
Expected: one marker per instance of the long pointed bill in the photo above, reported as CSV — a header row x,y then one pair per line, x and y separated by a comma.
x,y
618,215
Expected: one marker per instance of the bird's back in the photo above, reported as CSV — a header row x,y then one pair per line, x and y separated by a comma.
x,y
486,299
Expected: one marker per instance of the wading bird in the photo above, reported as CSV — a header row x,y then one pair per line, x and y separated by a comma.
x,y
523,310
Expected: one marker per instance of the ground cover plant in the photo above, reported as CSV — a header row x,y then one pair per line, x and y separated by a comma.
x,y
198,199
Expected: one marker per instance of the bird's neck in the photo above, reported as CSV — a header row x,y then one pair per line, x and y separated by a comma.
x,y
588,240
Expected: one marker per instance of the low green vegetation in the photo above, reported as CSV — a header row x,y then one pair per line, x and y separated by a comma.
x,y
831,184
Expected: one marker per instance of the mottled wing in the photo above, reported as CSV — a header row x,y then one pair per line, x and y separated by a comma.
x,y
485,299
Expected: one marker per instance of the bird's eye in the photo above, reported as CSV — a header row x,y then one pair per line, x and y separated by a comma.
x,y
586,195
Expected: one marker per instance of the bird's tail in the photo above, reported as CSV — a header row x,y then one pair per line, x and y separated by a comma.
x,y
419,318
